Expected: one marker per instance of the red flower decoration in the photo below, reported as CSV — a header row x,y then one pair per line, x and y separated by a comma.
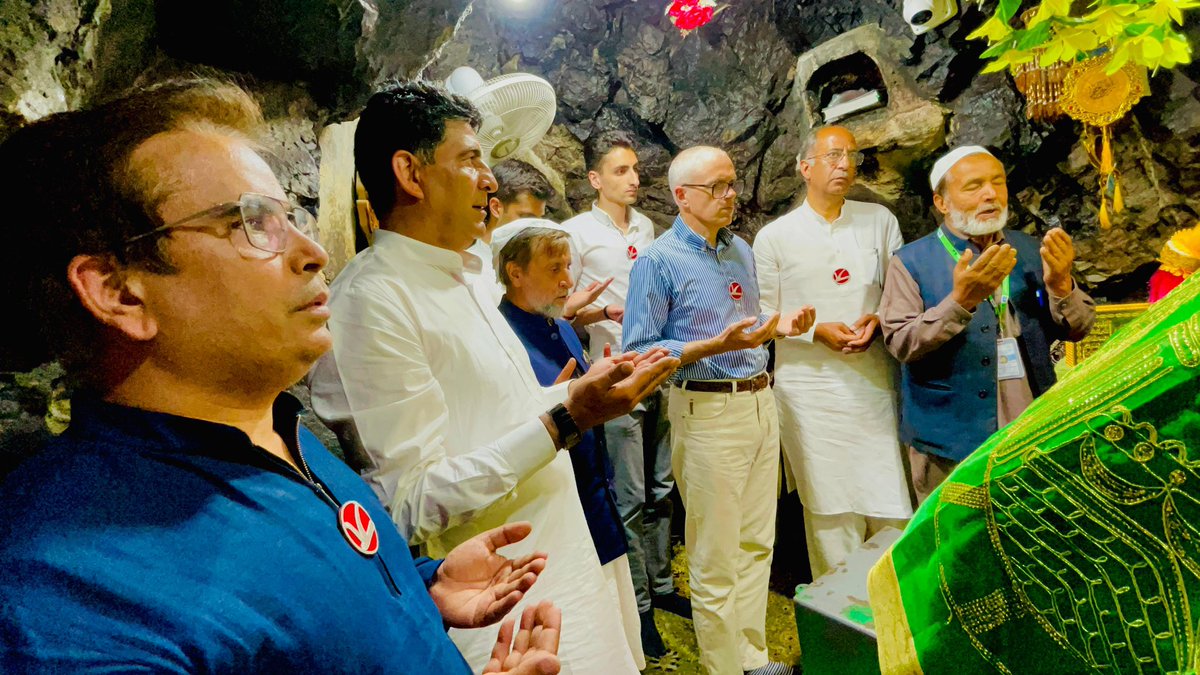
x,y
688,15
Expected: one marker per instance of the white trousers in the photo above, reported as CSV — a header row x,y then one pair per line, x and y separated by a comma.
x,y
725,457
831,539
620,586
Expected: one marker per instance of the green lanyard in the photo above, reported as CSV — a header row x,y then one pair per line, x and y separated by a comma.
x,y
1000,308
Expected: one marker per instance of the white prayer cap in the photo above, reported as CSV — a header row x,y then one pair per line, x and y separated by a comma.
x,y
503,234
948,160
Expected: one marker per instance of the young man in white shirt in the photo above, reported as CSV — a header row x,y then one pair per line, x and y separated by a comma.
x,y
607,239
433,394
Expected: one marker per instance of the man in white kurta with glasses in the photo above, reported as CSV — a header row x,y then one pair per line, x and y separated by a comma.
x,y
835,385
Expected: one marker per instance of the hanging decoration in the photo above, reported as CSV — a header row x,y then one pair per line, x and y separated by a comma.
x,y
1093,96
688,15
1040,81
1088,60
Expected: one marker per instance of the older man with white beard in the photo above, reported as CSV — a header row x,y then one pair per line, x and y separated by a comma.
x,y
970,311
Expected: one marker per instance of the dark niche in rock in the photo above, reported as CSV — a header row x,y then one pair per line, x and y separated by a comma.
x,y
846,86
284,40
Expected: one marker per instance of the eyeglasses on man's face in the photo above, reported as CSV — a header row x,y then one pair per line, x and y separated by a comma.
x,y
835,157
262,219
720,189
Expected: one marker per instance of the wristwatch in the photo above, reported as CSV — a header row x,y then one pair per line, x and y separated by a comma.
x,y
568,430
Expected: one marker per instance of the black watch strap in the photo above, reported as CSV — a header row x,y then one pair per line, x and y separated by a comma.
x,y
568,431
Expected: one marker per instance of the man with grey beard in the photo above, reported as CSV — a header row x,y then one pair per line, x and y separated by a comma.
x,y
970,312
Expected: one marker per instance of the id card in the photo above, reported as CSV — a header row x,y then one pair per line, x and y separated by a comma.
x,y
1009,365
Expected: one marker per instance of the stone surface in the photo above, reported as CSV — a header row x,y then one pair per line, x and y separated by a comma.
x,y
337,222
57,54
620,64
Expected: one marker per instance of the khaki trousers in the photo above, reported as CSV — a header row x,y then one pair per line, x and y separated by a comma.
x,y
725,457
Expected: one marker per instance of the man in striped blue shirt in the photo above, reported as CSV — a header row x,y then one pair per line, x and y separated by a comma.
x,y
694,292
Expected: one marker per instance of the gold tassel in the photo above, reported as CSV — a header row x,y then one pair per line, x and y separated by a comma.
x,y
1118,202
1104,222
1106,158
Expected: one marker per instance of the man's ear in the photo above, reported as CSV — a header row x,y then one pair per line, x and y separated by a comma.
x,y
495,207
515,273
680,194
940,204
112,294
804,169
406,169
594,179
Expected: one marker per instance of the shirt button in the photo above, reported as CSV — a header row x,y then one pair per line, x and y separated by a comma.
x,y
987,360
983,394
985,329
554,336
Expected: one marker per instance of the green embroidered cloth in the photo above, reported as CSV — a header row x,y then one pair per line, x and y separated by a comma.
x,y
1070,541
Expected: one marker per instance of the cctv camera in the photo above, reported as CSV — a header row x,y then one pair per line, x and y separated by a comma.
x,y
922,15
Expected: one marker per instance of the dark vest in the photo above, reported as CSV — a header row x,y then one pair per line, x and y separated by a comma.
x,y
948,398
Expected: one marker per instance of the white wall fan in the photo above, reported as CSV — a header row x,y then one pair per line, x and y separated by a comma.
x,y
517,110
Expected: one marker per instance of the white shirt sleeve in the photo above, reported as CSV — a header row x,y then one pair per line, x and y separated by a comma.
x,y
894,241
397,411
768,275
577,244
770,290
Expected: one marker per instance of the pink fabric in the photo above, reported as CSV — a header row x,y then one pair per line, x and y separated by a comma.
x,y
1161,283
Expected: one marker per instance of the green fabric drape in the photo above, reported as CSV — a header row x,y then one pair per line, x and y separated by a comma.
x,y
1070,541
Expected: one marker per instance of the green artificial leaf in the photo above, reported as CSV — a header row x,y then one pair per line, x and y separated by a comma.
x,y
999,48
1007,9
1050,9
1176,50
1080,39
993,29
1151,48
1120,58
1054,51
1034,37
1137,31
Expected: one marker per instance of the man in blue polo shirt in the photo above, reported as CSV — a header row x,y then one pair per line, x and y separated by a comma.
x,y
186,522
694,292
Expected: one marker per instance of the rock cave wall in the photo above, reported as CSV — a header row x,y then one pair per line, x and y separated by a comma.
x,y
620,64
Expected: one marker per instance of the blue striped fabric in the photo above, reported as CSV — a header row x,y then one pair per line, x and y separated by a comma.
x,y
680,291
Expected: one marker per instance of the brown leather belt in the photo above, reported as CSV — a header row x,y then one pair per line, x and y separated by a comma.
x,y
756,383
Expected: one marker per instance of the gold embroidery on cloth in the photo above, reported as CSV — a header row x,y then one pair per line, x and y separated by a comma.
x,y
1107,384
1186,342
897,653
962,494
990,611
1107,527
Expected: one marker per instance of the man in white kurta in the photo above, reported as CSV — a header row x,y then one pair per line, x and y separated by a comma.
x,y
835,385
431,392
